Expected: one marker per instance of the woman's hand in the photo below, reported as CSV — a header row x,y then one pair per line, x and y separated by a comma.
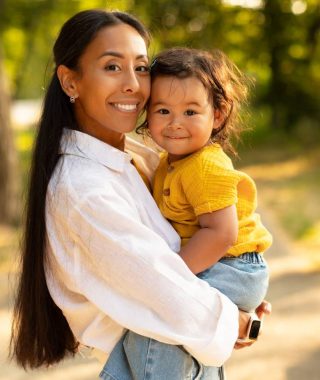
x,y
244,318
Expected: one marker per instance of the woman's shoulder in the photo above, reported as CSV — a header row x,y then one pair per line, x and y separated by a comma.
x,y
76,177
145,152
146,158
87,165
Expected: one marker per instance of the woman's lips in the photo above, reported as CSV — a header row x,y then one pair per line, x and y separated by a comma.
x,y
126,107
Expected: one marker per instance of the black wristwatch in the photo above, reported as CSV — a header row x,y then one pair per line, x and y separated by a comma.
x,y
253,329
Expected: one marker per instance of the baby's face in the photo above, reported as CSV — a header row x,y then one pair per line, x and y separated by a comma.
x,y
180,115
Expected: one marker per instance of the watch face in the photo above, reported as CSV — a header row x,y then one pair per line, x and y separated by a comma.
x,y
254,330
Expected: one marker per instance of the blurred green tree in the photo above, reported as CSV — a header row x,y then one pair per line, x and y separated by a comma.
x,y
9,180
277,43
291,42
27,29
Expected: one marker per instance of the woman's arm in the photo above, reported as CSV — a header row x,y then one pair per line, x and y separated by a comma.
x,y
218,232
128,271
263,309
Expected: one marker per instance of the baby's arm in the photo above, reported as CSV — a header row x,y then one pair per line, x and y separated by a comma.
x,y
218,232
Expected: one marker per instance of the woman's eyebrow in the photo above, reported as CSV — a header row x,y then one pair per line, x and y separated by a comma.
x,y
119,55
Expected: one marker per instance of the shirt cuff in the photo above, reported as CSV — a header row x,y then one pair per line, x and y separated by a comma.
x,y
221,344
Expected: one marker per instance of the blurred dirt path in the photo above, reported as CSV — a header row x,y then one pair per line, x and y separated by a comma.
x,y
72,369
288,350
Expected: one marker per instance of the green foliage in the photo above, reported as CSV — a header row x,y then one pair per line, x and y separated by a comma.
x,y
28,30
276,44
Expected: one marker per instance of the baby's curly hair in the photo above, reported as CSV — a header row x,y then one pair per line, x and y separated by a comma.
x,y
227,86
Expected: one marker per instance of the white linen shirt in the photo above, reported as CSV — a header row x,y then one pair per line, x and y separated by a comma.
x,y
112,264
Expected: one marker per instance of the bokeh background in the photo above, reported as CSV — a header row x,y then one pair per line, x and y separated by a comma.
x,y
277,44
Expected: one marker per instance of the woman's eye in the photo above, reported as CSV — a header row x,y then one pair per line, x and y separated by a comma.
x,y
163,111
112,68
190,112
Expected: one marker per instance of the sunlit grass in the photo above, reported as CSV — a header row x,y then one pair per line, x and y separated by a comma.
x,y
289,189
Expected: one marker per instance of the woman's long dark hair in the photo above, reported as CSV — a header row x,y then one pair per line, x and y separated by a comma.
x,y
40,333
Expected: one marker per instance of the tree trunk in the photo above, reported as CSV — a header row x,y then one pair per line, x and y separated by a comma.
x,y
276,45
9,177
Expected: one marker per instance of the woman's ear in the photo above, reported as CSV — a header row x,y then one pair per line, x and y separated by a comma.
x,y
67,80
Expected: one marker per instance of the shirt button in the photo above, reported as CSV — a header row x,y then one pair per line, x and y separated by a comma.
x,y
166,192
170,168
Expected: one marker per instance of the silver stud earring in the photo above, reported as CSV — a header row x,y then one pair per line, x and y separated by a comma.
x,y
72,99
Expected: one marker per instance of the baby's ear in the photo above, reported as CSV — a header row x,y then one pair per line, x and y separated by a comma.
x,y
67,80
219,117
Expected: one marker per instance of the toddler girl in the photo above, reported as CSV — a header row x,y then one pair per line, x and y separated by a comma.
x,y
193,113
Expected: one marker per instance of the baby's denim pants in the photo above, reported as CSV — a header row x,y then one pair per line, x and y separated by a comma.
x,y
244,279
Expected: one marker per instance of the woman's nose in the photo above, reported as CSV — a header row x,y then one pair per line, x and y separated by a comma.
x,y
131,83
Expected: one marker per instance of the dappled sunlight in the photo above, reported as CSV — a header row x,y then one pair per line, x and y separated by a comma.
x,y
313,234
9,243
290,191
7,235
309,244
24,141
244,3
279,170
296,208
25,112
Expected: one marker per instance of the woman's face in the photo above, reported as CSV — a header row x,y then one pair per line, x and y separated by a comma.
x,y
113,83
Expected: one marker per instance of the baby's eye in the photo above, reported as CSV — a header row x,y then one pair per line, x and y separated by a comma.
x,y
143,69
190,112
112,67
163,111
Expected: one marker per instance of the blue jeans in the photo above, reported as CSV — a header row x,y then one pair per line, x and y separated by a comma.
x,y
136,357
244,279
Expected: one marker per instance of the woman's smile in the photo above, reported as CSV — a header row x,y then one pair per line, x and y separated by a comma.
x,y
126,106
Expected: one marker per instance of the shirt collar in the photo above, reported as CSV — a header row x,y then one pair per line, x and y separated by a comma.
x,y
83,145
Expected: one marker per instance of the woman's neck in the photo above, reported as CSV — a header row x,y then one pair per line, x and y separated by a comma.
x,y
115,139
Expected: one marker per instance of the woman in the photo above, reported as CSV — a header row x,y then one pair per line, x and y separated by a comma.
x,y
98,257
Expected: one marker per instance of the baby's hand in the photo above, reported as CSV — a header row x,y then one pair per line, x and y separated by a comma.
x,y
264,309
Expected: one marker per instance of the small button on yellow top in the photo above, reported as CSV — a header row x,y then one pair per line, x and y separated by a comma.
x,y
170,168
166,192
